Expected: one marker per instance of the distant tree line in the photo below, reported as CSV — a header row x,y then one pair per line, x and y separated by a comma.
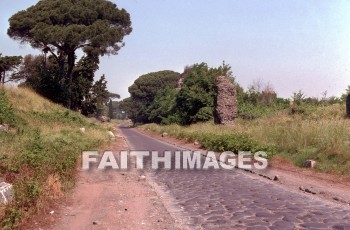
x,y
157,97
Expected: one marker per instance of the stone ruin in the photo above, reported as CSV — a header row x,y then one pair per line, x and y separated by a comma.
x,y
180,82
225,101
348,106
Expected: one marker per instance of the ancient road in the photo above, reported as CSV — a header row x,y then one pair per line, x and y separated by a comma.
x,y
223,199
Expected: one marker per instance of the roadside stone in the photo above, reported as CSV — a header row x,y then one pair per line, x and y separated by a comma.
x,y
339,200
103,118
6,193
142,178
111,134
165,134
196,143
310,164
306,190
82,130
4,127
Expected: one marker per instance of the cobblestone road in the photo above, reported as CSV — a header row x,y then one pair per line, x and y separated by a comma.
x,y
223,199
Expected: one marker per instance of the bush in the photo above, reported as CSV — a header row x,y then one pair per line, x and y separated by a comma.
x,y
215,141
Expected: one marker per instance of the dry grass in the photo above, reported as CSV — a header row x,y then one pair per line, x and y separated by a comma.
x,y
40,152
322,134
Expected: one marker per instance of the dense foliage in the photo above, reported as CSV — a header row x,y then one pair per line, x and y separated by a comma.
x,y
63,27
154,97
144,91
42,75
195,100
153,101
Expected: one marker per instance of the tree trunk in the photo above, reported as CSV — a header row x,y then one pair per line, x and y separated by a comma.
x,y
2,78
348,106
61,67
71,63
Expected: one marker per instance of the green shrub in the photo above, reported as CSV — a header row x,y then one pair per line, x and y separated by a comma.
x,y
6,112
47,143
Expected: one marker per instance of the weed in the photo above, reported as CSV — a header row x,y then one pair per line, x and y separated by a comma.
x,y
319,132
40,152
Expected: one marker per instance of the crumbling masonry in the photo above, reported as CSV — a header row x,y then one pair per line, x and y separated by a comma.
x,y
225,101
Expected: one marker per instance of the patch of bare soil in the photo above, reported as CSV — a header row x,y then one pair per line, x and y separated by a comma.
x,y
113,199
334,188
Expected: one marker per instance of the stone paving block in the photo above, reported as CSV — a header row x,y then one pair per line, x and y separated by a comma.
x,y
6,193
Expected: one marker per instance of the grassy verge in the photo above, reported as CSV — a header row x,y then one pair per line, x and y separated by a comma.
x,y
39,153
321,133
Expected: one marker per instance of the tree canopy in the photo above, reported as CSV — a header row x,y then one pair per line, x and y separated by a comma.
x,y
8,63
61,27
144,91
88,96
192,101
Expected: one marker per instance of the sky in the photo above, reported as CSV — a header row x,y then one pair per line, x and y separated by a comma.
x,y
291,45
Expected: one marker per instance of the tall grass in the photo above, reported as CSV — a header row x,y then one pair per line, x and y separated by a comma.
x,y
321,133
39,153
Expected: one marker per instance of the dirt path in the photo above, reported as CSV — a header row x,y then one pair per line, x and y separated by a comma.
x,y
123,200
109,200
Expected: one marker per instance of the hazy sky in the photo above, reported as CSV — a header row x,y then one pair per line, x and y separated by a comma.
x,y
292,44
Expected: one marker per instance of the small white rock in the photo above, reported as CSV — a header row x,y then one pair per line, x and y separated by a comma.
x,y
82,130
111,134
142,178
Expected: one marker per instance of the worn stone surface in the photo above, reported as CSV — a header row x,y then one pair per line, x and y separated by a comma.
x,y
6,192
225,101
232,199
348,106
